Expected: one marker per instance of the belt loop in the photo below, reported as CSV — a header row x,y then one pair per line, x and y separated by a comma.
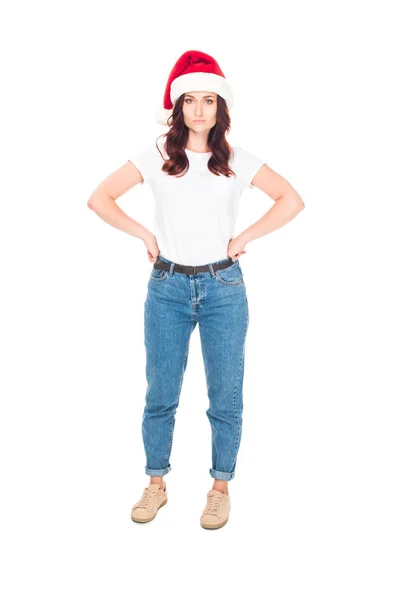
x,y
171,269
211,270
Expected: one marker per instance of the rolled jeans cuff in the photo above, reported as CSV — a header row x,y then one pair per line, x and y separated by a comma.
x,y
157,472
226,476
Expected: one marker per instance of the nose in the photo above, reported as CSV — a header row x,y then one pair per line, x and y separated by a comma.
x,y
198,111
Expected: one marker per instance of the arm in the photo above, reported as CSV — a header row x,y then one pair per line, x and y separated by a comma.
x,y
103,200
287,204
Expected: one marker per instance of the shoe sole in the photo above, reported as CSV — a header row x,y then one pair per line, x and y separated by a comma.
x,y
216,526
137,520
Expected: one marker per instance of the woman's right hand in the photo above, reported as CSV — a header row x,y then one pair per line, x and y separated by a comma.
x,y
152,248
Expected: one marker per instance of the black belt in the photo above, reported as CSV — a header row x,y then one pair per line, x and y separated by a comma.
x,y
160,265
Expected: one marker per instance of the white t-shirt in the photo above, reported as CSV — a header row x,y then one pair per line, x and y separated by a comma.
x,y
195,214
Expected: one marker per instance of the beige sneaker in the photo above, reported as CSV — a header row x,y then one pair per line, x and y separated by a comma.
x,y
153,498
216,512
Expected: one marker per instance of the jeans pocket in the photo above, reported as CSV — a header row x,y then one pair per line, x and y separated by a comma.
x,y
158,274
231,276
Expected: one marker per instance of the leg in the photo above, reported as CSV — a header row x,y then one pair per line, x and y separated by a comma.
x,y
168,327
223,323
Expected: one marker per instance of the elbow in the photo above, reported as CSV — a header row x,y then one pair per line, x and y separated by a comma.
x,y
98,200
294,199
299,203
94,202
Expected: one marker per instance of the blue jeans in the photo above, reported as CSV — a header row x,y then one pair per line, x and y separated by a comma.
x,y
175,303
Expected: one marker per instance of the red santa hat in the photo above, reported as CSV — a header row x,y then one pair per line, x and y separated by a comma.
x,y
194,71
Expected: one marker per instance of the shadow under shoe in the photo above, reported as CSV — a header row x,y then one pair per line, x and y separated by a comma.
x,y
153,498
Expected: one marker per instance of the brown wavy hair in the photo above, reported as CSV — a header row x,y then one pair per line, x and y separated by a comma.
x,y
177,164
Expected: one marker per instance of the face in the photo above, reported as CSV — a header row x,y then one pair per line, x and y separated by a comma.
x,y
200,106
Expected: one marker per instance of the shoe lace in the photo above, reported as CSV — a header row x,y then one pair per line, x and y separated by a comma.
x,y
213,504
147,498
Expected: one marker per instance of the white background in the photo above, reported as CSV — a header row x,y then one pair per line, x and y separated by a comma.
x,y
315,499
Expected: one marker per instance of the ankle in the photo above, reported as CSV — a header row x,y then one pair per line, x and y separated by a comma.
x,y
221,487
158,480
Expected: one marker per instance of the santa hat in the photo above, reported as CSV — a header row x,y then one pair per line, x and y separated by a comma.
x,y
194,71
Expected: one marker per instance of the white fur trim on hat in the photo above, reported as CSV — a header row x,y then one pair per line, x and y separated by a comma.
x,y
198,82
162,115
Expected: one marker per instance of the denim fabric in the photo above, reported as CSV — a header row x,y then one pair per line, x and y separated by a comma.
x,y
175,303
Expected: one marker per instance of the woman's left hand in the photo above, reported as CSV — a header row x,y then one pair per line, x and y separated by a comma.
x,y
236,248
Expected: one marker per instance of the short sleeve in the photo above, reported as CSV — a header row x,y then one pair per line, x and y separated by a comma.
x,y
246,166
143,160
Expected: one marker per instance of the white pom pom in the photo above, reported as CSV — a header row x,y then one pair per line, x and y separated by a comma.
x,y
162,115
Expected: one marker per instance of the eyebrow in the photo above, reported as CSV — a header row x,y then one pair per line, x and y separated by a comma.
x,y
190,96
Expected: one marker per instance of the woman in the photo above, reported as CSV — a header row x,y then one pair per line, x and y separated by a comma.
x,y
197,180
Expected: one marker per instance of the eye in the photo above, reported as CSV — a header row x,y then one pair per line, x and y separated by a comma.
x,y
190,100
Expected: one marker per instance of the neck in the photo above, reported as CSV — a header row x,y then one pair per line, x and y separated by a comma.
x,y
197,141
